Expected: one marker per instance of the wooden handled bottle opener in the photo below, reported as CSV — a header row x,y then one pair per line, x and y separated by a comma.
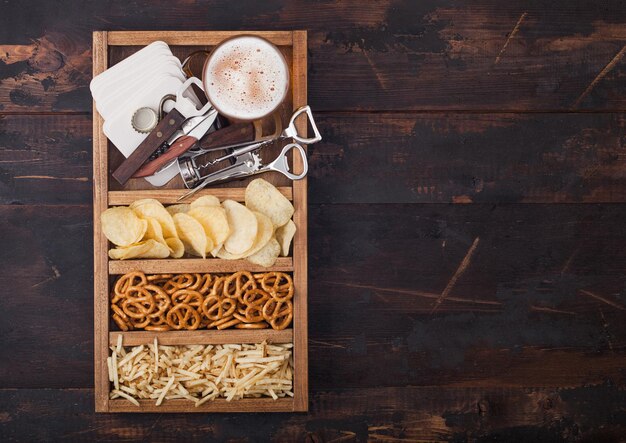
x,y
183,110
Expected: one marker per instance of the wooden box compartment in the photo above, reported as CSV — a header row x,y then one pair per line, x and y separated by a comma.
x,y
108,49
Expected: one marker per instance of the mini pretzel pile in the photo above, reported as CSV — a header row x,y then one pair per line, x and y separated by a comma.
x,y
165,302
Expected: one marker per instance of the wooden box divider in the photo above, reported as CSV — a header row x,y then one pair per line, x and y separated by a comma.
x,y
203,337
217,405
182,265
109,47
170,196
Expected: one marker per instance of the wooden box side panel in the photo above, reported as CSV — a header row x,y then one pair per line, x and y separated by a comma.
x,y
192,38
300,250
219,405
100,243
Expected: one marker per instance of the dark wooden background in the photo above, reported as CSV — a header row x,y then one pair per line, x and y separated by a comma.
x,y
467,220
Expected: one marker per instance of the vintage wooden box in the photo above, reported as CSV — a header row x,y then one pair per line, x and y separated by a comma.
x,y
108,49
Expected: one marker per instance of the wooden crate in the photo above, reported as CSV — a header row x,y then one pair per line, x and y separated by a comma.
x,y
108,49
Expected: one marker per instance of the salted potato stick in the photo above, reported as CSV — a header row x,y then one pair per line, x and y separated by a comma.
x,y
156,355
271,392
165,389
126,396
118,348
115,370
110,368
130,356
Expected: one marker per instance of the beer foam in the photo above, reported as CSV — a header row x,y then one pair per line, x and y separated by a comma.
x,y
246,78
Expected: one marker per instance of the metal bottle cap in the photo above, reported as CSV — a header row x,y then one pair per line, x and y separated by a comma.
x,y
144,120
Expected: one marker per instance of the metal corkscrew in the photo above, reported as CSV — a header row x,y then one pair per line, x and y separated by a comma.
x,y
245,158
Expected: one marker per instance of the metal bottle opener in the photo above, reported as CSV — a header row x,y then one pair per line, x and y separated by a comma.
x,y
247,160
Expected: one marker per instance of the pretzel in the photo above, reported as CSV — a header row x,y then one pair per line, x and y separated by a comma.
x,y
220,322
241,309
181,281
159,328
276,315
159,277
130,279
278,284
138,307
159,320
137,292
117,311
255,297
206,284
233,322
238,283
162,302
139,323
124,326
214,308
217,288
187,296
183,316
201,282
281,323
259,325
154,290
254,313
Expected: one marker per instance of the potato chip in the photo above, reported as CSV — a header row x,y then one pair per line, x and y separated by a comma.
x,y
192,234
175,209
122,226
149,207
267,255
264,233
156,250
243,227
154,231
145,249
144,201
217,249
205,200
213,220
263,197
177,248
284,235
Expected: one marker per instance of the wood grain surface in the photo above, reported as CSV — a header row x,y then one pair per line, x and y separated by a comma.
x,y
466,221
370,158
394,54
375,414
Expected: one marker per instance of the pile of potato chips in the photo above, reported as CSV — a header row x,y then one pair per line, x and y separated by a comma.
x,y
258,231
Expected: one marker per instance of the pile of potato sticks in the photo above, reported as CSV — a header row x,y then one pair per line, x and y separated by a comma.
x,y
200,373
